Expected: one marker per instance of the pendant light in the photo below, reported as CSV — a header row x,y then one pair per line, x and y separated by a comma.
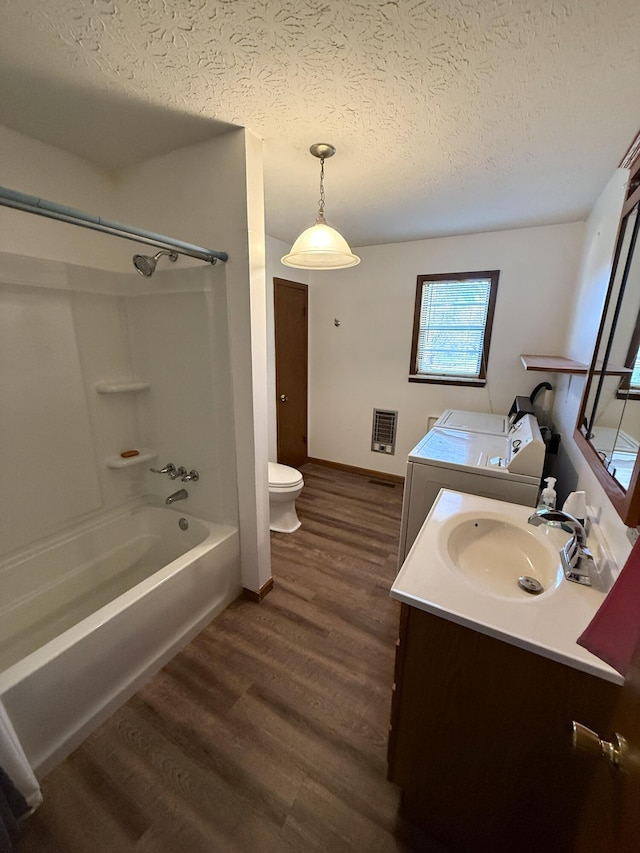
x,y
321,247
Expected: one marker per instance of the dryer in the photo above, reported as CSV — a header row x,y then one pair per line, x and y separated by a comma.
x,y
507,467
490,424
473,422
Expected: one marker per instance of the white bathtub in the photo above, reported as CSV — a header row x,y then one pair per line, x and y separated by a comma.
x,y
87,617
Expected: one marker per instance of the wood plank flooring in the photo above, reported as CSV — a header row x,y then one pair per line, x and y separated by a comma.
x,y
268,732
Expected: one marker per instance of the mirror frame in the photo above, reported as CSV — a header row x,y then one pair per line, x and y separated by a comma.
x,y
625,501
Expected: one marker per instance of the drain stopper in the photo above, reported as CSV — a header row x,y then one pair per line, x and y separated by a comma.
x,y
530,585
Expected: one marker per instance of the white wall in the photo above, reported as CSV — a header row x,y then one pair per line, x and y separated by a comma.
x,y
47,456
41,170
248,328
178,339
552,289
364,363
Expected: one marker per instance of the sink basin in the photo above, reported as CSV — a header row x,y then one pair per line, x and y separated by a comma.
x,y
493,553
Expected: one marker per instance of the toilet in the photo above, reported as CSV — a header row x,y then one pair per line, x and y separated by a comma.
x,y
285,485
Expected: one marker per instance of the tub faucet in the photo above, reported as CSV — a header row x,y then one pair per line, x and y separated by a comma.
x,y
577,560
180,495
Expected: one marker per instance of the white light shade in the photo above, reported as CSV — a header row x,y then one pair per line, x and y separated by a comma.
x,y
320,248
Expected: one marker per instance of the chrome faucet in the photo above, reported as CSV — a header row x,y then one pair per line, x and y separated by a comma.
x,y
577,560
545,515
173,473
187,476
169,469
180,495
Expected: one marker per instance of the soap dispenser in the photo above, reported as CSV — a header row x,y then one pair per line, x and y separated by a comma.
x,y
548,496
576,505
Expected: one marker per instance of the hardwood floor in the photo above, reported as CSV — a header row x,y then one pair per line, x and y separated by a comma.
x,y
269,731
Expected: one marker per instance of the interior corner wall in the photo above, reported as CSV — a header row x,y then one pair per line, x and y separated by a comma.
x,y
363,363
593,279
275,249
32,167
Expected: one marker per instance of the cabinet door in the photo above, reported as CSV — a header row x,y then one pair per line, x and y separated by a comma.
x,y
609,821
480,739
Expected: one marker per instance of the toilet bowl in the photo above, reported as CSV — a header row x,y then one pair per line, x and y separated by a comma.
x,y
285,485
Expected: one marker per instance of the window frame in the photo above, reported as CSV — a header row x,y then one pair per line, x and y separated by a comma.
x,y
441,379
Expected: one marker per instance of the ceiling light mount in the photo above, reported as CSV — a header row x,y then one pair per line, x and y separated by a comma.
x,y
321,247
322,150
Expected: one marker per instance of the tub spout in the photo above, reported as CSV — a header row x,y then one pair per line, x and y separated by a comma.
x,y
180,495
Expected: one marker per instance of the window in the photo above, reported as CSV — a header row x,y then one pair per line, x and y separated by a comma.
x,y
452,327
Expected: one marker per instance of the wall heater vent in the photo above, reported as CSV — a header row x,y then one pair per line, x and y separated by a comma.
x,y
383,435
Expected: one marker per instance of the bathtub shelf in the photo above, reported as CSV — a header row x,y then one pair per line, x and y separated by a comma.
x,y
126,387
118,461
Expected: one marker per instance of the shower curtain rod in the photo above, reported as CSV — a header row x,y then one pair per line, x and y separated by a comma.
x,y
41,207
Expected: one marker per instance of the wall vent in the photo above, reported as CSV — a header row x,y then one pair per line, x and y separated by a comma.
x,y
383,435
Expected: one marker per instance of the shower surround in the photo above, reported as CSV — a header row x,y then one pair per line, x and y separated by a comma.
x,y
100,585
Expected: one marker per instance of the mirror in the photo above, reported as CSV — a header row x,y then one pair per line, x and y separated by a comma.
x,y
608,429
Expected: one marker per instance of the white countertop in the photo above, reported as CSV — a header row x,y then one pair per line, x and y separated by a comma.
x,y
547,624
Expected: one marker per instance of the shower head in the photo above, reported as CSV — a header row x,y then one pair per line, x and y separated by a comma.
x,y
146,265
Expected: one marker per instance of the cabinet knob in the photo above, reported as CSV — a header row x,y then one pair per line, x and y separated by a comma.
x,y
588,742
283,398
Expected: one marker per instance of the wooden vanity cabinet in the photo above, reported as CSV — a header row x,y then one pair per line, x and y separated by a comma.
x,y
480,738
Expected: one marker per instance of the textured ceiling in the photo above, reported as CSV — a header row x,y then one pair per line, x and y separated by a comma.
x,y
449,116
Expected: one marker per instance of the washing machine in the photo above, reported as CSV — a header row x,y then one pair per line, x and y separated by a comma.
x,y
491,424
507,467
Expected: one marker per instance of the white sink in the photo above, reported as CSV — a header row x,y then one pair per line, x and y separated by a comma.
x,y
494,553
464,567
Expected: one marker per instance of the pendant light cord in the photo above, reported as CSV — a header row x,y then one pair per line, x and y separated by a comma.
x,y
321,200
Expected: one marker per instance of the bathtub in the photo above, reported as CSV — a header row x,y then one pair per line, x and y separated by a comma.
x,y
89,615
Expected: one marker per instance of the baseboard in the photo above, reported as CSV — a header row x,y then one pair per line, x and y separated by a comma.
x,y
352,469
265,589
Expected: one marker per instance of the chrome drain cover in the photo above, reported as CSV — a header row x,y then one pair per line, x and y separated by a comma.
x,y
530,585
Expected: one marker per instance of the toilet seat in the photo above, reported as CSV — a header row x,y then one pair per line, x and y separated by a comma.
x,y
283,477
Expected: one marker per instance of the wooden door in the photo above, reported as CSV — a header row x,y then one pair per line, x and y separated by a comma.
x,y
610,817
291,345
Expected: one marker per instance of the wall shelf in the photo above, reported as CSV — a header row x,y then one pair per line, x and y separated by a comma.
x,y
560,364
118,461
131,386
553,364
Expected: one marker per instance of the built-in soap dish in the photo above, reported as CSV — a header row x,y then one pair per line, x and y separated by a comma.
x,y
117,461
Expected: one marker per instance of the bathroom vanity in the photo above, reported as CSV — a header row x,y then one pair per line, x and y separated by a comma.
x,y
487,682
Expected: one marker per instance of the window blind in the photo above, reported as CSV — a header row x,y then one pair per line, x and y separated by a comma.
x,y
453,316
